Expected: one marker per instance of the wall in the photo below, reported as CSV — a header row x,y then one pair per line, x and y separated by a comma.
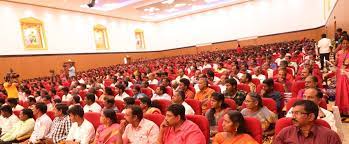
x,y
67,31
338,18
251,19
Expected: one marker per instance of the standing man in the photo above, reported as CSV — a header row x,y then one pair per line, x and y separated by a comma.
x,y
324,49
71,71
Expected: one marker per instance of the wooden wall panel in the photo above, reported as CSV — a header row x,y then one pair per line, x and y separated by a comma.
x,y
35,66
339,16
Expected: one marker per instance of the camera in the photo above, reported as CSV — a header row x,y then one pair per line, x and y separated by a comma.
x,y
11,75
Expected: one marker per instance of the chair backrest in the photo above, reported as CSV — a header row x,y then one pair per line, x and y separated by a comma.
x,y
278,87
100,103
93,117
231,103
169,91
119,117
215,88
256,81
285,122
156,118
203,124
51,114
195,104
164,104
253,126
298,85
153,86
99,93
25,104
17,112
129,92
244,87
147,91
120,104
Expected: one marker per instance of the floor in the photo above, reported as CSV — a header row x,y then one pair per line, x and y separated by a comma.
x,y
345,128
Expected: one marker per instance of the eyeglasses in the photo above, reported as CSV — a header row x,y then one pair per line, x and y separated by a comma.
x,y
299,113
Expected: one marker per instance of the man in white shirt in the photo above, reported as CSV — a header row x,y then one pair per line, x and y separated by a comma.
x,y
181,75
120,89
160,94
315,95
258,74
324,48
81,131
152,79
178,98
136,129
42,123
71,71
67,96
91,105
13,102
7,119
47,101
21,128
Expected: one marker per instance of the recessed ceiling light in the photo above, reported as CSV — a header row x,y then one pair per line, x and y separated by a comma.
x,y
180,5
168,2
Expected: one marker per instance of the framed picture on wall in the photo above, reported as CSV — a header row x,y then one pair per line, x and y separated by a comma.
x,y
139,35
101,37
33,34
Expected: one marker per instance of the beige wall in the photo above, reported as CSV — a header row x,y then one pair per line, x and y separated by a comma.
x,y
338,18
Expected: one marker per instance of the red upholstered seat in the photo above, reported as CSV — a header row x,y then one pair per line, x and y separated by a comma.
x,y
164,104
120,105
195,104
203,124
17,112
244,87
25,104
256,81
285,122
231,103
153,86
298,85
156,118
51,114
253,125
119,117
291,101
147,91
215,88
129,92
93,117
169,91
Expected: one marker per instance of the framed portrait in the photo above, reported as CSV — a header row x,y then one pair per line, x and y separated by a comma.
x,y
33,34
101,37
139,35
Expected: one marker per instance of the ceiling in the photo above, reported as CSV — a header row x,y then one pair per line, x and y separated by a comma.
x,y
139,10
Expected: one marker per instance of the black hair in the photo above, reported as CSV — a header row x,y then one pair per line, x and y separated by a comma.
x,y
248,77
136,111
65,89
6,108
31,99
57,100
309,107
231,81
28,112
210,115
129,100
42,107
163,89
12,101
177,109
108,91
109,113
237,118
181,94
76,99
91,97
269,82
185,81
323,36
76,110
62,107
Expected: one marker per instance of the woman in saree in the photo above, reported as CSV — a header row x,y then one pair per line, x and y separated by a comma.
x,y
234,129
106,133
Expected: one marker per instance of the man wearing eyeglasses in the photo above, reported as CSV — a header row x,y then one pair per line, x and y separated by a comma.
x,y
304,130
315,95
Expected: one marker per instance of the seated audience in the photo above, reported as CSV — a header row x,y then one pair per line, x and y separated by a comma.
x,y
178,98
247,79
177,129
184,86
160,93
254,108
258,74
181,75
106,132
109,103
281,78
149,107
108,92
13,102
47,100
233,93
91,105
75,101
315,95
7,119
20,129
42,123
152,79
129,101
304,130
60,125
136,129
234,129
121,94
137,92
269,92
81,131
216,112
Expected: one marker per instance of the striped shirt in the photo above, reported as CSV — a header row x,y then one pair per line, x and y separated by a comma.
x,y
59,129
